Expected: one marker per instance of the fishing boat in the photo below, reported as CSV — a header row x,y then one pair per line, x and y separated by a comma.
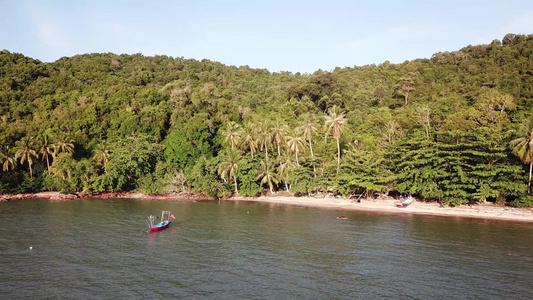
x,y
166,220
405,203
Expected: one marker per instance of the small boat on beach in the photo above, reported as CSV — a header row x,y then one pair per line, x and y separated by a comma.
x,y
405,203
166,220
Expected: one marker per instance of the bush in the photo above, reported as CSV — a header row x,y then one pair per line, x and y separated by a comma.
x,y
65,186
524,201
150,185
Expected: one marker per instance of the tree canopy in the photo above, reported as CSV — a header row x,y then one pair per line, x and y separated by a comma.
x,y
449,128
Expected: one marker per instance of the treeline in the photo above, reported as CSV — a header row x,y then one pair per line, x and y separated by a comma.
x,y
456,128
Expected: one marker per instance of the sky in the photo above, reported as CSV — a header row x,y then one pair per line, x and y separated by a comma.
x,y
290,35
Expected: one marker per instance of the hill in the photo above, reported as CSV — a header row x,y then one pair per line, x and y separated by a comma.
x,y
438,128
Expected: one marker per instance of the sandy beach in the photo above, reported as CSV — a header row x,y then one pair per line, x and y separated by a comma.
x,y
387,205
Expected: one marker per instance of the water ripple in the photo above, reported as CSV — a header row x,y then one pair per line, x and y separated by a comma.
x,y
100,249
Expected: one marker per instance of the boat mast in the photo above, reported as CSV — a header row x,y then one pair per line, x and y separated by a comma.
x,y
151,218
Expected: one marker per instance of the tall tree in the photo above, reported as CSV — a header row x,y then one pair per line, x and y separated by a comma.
x,y
405,86
26,151
101,155
296,145
364,171
46,148
264,134
334,124
231,133
247,138
308,127
279,132
285,167
7,159
523,148
424,114
65,144
228,167
267,174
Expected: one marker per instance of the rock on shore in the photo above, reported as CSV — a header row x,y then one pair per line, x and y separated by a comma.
x,y
52,196
58,196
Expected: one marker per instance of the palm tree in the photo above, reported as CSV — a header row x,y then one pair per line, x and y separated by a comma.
x,y
264,134
279,131
308,127
296,145
7,159
62,171
26,152
267,174
523,148
101,155
285,166
335,123
228,168
46,149
247,138
231,133
64,144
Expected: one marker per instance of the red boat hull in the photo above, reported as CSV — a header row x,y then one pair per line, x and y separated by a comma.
x,y
159,228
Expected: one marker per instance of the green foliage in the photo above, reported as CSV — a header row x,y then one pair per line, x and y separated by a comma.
x,y
364,171
437,128
150,184
303,180
29,184
247,177
229,166
186,144
457,169
204,178
267,174
524,201
132,159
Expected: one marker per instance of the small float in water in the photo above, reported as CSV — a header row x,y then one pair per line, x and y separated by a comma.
x,y
405,202
166,220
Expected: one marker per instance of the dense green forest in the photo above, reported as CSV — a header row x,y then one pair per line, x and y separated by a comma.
x,y
456,128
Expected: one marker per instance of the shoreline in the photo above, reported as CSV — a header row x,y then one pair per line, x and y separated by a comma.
x,y
58,196
487,211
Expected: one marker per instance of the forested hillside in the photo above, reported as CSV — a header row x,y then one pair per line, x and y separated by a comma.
x,y
455,128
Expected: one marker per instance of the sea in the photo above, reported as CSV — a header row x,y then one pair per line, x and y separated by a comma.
x,y
102,249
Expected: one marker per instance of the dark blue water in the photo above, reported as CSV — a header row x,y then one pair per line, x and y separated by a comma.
x,y
92,248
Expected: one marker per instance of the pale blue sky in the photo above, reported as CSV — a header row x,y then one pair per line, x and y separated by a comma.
x,y
297,36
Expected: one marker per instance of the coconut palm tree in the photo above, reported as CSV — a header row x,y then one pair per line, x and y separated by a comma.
x,y
26,152
267,174
229,166
101,155
7,159
296,145
308,127
279,132
335,123
46,149
264,134
285,167
231,133
64,144
247,138
523,148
